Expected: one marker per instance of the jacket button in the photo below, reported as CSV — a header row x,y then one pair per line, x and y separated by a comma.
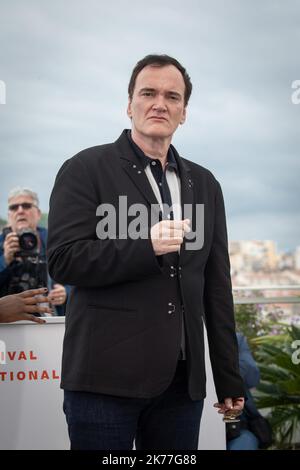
x,y
172,308
173,271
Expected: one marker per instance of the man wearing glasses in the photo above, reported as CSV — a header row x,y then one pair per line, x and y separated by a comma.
x,y
24,214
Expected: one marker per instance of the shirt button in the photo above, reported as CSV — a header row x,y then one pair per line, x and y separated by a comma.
x,y
139,172
153,163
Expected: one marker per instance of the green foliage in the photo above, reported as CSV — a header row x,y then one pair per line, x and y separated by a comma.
x,y
248,321
3,223
251,321
279,390
278,393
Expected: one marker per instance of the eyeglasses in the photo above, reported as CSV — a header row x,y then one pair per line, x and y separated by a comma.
x,y
25,205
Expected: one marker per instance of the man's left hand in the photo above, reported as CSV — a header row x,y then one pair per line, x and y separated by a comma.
x,y
57,295
230,404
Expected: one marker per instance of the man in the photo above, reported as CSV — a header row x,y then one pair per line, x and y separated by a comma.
x,y
23,306
133,359
23,214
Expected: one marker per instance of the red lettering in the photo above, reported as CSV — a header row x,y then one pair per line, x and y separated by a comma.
x,y
32,357
21,375
2,375
44,375
22,355
54,375
11,376
11,355
33,375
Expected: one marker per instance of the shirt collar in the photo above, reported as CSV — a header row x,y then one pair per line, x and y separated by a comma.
x,y
145,160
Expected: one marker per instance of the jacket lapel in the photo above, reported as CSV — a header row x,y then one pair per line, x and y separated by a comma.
x,y
132,166
187,195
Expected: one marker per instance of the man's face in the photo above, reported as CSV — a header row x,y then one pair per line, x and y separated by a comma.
x,y
157,105
23,217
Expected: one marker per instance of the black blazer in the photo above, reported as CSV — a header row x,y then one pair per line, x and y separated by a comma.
x,y
123,319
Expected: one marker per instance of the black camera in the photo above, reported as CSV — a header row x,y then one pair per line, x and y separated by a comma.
x,y
28,242
29,268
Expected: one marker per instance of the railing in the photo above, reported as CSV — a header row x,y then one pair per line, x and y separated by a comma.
x,y
266,300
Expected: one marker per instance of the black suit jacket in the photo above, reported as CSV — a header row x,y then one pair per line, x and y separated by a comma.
x,y
123,319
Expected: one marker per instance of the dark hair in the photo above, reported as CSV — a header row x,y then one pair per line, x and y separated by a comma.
x,y
160,60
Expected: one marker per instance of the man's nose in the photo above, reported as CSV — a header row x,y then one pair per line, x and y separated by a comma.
x,y
20,209
159,103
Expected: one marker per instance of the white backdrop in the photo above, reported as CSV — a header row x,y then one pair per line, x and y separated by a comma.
x,y
31,415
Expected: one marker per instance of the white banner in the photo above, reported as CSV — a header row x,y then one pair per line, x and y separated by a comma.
x,y
31,413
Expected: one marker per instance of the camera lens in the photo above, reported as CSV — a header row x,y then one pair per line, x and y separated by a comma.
x,y
28,241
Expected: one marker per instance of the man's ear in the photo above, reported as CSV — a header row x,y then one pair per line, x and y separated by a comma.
x,y
129,113
183,118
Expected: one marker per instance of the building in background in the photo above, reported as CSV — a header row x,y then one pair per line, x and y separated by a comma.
x,y
256,263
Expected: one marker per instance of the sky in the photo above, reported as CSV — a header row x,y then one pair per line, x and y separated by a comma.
x,y
66,65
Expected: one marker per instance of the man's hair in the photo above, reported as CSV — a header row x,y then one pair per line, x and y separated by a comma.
x,y
19,191
160,60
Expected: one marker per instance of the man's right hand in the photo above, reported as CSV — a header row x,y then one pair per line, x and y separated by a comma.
x,y
167,235
10,247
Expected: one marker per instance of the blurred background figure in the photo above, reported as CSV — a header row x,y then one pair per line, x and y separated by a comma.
x,y
23,243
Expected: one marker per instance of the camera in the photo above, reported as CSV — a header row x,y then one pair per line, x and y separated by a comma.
x,y
28,242
29,268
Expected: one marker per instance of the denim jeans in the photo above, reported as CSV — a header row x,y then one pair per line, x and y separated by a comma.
x,y
246,441
168,421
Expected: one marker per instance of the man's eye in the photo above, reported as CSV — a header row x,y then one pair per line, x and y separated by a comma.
x,y
147,93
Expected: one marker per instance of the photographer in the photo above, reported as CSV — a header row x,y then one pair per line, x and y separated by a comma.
x,y
23,251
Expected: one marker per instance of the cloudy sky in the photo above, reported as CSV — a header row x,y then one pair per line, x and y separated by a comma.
x,y
66,65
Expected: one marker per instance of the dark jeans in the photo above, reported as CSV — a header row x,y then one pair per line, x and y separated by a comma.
x,y
169,421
